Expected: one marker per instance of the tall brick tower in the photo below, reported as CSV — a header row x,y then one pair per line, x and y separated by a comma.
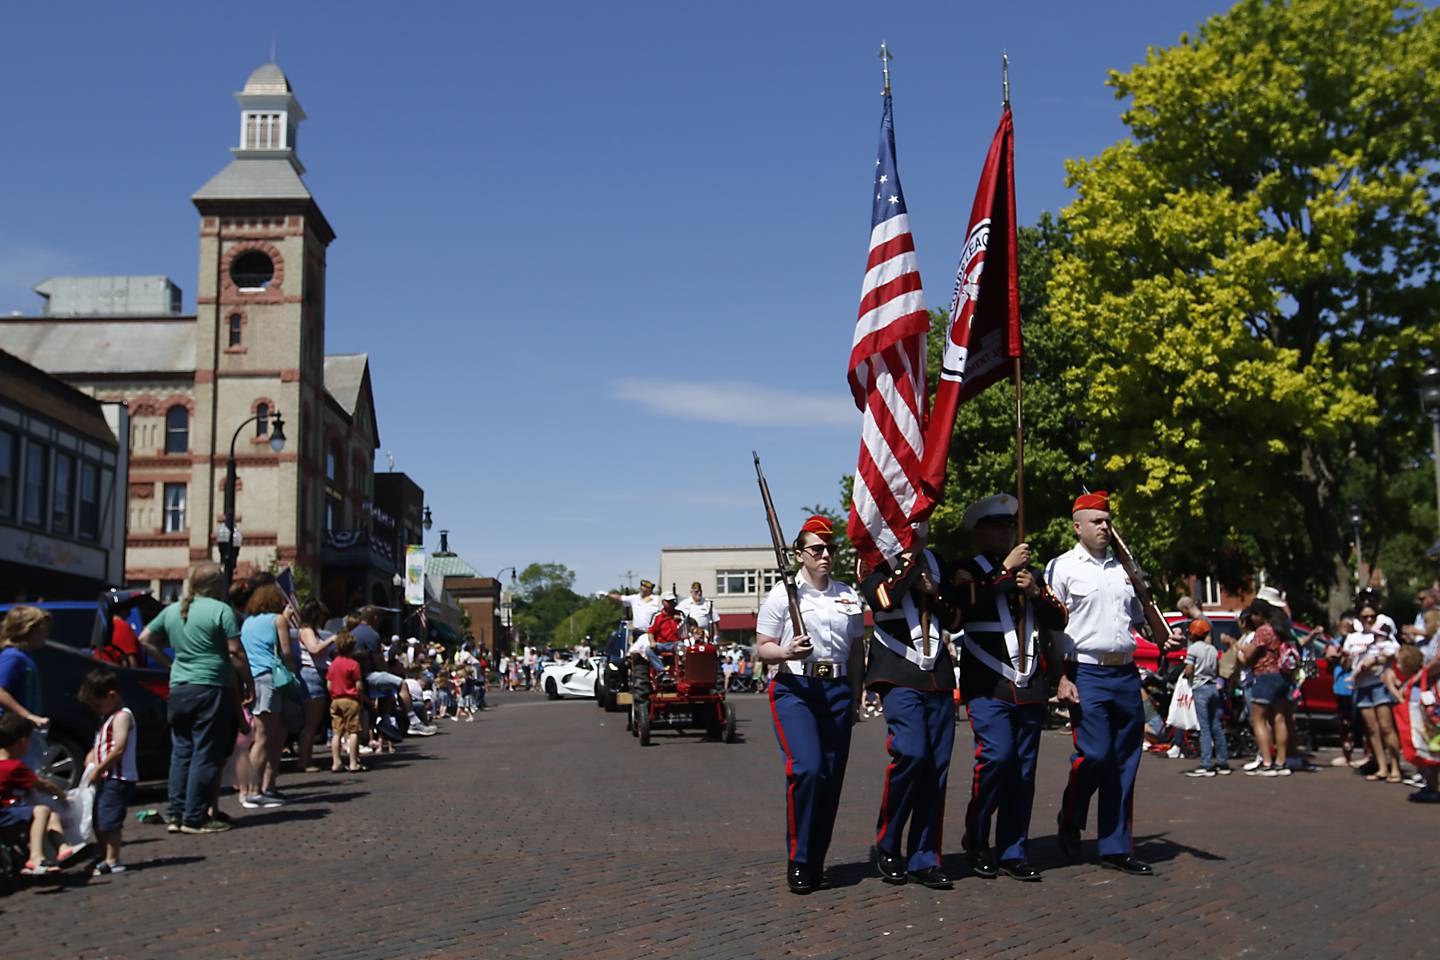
x,y
260,337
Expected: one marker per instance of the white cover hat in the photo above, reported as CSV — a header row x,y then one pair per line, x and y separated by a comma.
x,y
1271,595
999,505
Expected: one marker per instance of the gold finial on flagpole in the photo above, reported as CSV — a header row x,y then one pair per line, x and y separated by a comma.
x,y
1005,77
885,57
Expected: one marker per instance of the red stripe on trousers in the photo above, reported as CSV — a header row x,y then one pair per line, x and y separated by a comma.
x,y
885,796
789,776
972,813
1070,788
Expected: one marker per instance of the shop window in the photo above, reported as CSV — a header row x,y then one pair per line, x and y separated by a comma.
x,y
62,496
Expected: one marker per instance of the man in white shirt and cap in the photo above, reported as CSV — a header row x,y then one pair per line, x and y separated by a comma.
x,y
700,612
643,608
1108,720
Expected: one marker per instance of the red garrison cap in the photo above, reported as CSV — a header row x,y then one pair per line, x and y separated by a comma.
x,y
1099,500
822,527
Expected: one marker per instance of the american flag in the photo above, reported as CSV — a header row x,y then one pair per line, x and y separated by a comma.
x,y
286,582
887,372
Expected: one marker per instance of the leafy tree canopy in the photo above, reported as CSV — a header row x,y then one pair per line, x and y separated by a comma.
x,y
1252,275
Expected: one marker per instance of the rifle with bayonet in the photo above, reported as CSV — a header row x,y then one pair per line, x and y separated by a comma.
x,y
782,559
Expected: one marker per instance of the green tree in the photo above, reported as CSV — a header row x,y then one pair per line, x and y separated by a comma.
x,y
1253,279
543,600
594,620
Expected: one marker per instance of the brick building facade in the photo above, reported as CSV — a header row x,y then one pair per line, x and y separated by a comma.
x,y
255,347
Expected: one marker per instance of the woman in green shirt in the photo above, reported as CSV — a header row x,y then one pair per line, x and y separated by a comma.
x,y
209,660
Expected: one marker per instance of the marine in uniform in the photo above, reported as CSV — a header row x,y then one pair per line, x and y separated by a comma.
x,y
813,697
912,671
1009,660
1107,719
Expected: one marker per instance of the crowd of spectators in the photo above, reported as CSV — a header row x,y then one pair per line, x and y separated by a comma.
x,y
1381,674
255,687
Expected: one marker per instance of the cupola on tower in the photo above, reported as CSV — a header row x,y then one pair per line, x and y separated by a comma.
x,y
260,332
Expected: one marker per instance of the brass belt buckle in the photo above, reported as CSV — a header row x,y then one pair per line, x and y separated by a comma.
x,y
824,670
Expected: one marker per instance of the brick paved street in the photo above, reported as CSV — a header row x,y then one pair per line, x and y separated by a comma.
x,y
544,830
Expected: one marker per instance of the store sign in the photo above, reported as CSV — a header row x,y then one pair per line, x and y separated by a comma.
x,y
37,550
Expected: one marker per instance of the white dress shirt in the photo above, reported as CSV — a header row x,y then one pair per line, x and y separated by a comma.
x,y
1101,601
642,610
834,618
699,612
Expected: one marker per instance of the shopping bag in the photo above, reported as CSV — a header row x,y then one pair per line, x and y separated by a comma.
x,y
77,811
1182,707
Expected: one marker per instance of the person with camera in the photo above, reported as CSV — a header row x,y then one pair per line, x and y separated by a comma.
x,y
814,696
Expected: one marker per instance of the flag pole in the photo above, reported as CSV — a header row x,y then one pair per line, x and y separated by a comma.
x,y
885,57
1019,426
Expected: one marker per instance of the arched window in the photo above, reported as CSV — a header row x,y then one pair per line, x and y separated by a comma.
x,y
262,425
177,429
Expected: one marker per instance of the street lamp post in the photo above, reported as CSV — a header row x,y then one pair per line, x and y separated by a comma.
x,y
1430,403
229,537
504,605
398,582
1355,518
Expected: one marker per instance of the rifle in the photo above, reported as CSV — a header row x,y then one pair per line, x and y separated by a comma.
x,y
781,557
1159,629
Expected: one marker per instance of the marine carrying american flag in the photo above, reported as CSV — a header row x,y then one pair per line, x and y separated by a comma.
x,y
887,371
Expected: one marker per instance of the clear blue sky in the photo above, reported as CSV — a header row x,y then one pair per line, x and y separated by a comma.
x,y
596,252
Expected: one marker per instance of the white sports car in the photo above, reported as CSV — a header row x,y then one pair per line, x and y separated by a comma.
x,y
569,678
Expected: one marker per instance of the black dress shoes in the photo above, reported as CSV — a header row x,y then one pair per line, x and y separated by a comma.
x,y
982,862
799,878
1019,870
1068,838
932,877
890,865
1127,864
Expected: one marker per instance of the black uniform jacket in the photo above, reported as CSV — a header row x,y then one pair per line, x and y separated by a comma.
x,y
884,590
979,593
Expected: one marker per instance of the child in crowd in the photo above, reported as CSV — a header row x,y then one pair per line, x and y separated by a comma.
x,y
1406,684
343,680
239,771
445,696
16,783
114,757
1202,669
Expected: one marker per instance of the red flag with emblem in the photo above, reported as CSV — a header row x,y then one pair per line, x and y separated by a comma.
x,y
983,340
